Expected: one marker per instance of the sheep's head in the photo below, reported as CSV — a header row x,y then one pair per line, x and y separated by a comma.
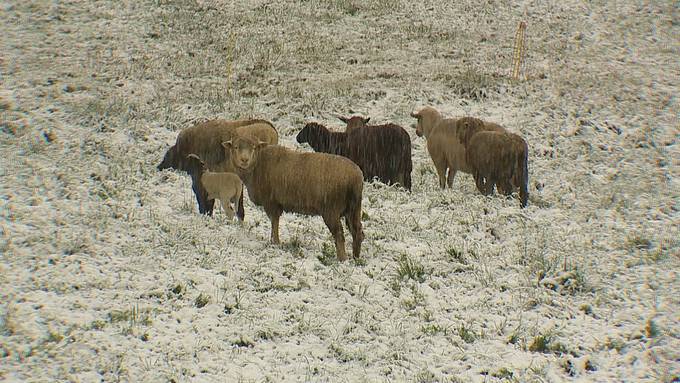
x,y
169,160
427,118
354,122
304,134
194,164
243,151
466,127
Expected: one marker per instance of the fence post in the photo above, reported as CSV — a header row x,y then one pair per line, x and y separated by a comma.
x,y
519,51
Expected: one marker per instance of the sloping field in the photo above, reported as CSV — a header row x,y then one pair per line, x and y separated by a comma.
x,y
108,272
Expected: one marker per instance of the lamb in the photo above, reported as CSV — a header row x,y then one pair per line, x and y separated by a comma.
x,y
323,140
281,179
443,144
226,187
499,157
204,140
382,151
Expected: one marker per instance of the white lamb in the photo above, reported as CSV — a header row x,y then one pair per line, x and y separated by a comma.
x,y
226,187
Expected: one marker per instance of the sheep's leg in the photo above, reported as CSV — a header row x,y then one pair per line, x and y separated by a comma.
x,y
274,216
490,183
479,182
505,187
452,174
335,227
407,180
441,173
205,205
353,221
238,202
226,207
228,210
240,212
440,165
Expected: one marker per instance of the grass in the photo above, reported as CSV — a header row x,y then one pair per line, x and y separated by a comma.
x,y
134,316
546,343
408,268
201,300
466,333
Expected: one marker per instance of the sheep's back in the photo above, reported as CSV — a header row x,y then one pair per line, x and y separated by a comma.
x,y
205,139
303,182
492,153
444,142
216,181
262,130
378,149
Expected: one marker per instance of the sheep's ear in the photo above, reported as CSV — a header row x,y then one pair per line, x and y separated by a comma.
x,y
227,144
343,119
366,120
415,115
261,144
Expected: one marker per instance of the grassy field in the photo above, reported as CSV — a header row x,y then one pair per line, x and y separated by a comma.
x,y
108,272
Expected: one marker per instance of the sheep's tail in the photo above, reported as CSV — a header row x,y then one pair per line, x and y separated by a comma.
x,y
240,211
408,166
523,170
353,217
169,160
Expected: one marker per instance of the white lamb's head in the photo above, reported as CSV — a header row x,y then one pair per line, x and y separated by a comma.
x,y
243,151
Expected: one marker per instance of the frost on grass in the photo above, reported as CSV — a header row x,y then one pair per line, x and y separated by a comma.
x,y
108,272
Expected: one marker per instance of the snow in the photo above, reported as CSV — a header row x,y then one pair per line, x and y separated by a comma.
x,y
108,272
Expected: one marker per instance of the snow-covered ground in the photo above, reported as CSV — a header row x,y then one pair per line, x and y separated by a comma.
x,y
108,273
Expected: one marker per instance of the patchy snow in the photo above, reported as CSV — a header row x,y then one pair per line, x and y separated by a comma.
x,y
108,273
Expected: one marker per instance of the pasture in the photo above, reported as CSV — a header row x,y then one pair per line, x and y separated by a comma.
x,y
108,272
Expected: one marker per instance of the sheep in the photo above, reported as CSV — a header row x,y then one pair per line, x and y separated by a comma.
x,y
281,179
226,187
323,140
447,141
382,151
204,140
499,158
443,144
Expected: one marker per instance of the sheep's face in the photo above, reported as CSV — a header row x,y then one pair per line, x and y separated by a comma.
x,y
169,160
354,122
418,125
193,164
427,118
303,136
243,151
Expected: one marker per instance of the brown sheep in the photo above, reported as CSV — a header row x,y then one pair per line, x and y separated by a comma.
x,y
443,144
281,179
226,187
499,158
204,140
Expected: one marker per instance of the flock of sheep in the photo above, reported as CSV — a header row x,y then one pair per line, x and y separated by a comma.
x,y
222,156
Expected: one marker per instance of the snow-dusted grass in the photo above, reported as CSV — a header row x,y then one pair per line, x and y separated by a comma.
x,y
108,271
